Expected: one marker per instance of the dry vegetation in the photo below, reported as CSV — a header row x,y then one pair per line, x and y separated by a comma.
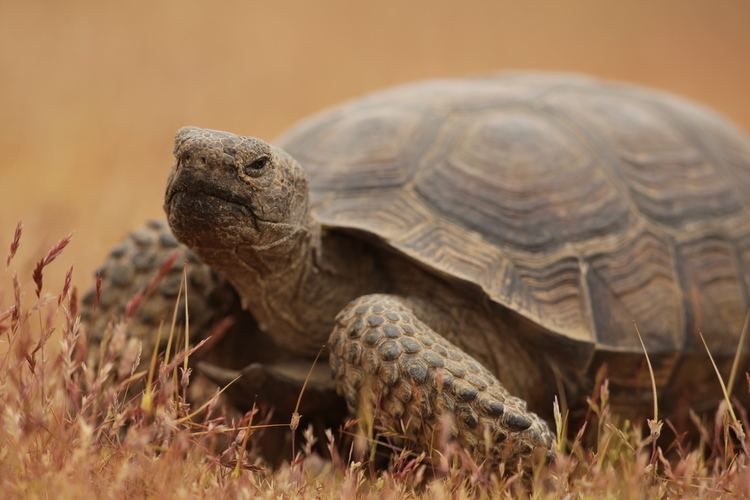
x,y
66,432
91,93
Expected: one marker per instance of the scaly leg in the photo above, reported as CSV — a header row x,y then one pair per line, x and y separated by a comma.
x,y
412,376
128,269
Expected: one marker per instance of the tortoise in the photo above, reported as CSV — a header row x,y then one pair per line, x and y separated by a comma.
x,y
466,249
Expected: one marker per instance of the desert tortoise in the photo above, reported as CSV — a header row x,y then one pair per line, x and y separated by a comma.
x,y
466,247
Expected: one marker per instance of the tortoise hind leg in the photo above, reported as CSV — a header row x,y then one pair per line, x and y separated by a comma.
x,y
128,269
383,356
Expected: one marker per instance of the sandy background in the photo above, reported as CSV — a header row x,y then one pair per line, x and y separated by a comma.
x,y
91,92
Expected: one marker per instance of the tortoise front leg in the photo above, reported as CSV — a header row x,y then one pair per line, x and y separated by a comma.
x,y
409,376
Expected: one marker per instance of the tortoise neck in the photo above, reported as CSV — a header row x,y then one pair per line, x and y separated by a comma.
x,y
296,286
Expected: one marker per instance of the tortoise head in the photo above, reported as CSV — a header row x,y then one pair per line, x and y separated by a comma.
x,y
229,191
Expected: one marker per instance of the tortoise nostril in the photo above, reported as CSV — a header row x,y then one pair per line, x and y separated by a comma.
x,y
193,160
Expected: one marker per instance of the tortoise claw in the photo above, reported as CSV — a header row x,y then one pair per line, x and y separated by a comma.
x,y
250,378
278,385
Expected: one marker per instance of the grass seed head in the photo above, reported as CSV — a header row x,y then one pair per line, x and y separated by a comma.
x,y
15,243
52,254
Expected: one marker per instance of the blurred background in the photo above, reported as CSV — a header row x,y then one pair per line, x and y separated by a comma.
x,y
91,92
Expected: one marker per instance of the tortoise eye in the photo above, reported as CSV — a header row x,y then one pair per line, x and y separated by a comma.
x,y
255,167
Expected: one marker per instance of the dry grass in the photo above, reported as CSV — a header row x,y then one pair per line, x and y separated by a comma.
x,y
65,432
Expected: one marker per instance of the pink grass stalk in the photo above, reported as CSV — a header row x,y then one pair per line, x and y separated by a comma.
x,y
66,286
15,243
98,288
135,302
52,254
17,298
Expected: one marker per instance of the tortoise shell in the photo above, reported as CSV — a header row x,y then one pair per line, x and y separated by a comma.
x,y
582,205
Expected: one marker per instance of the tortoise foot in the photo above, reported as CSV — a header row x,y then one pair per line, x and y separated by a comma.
x,y
418,385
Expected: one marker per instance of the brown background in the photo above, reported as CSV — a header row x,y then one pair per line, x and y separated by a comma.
x,y
91,92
